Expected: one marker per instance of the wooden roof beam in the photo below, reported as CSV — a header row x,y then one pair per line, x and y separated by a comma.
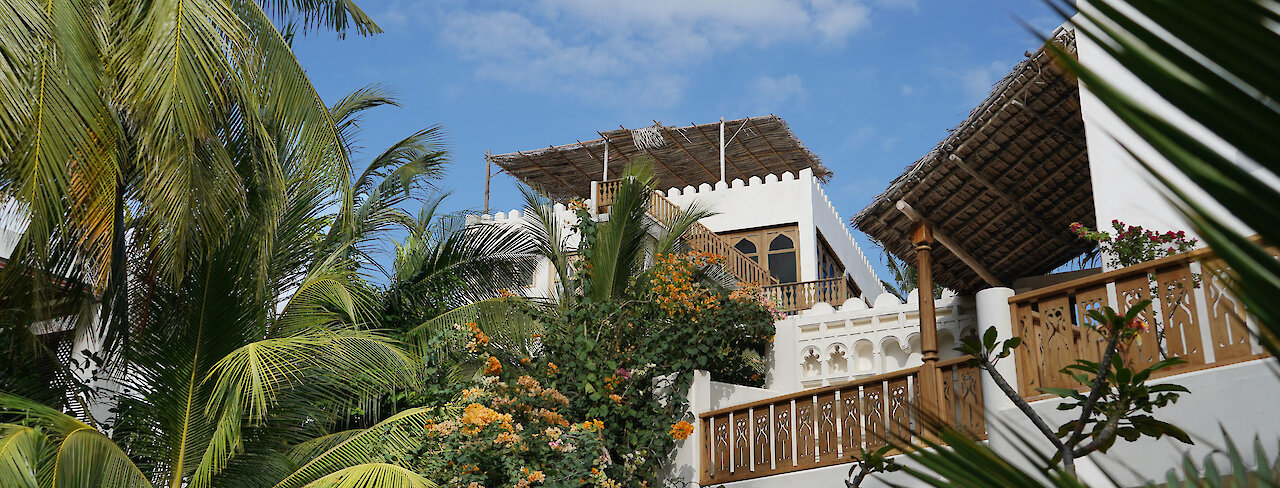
x,y
548,173
727,159
770,145
1009,199
624,155
696,161
570,163
593,156
951,245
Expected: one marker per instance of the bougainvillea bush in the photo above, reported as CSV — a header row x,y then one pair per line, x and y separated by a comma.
x,y
631,362
1133,244
513,434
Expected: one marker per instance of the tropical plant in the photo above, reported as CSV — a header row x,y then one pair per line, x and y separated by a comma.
x,y
236,374
1203,58
904,278
1119,403
135,121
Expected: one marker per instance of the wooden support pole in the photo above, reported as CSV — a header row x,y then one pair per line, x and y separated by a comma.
x,y
488,173
721,148
930,378
605,177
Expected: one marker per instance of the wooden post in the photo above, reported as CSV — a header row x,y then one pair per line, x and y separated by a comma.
x,y
605,176
488,173
930,378
722,149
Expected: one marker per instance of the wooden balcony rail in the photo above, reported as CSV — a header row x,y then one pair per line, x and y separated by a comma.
x,y
794,297
699,237
827,426
1192,316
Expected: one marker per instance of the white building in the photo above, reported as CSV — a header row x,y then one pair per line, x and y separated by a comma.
x,y
773,223
998,196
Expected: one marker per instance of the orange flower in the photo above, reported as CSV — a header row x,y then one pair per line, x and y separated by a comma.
x,y
681,430
552,368
493,367
615,398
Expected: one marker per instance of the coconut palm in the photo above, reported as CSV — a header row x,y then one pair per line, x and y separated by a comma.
x,y
256,352
155,120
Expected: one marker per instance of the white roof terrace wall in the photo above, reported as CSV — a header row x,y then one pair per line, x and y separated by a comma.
x,y
1122,188
784,199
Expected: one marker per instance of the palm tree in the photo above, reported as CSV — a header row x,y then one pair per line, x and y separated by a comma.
x,y
235,374
155,120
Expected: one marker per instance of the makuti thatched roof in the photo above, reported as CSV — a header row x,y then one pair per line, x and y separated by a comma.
x,y
1004,186
682,156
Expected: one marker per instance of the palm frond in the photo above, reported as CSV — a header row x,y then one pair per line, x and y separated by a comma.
x,y
1192,58
402,432
372,475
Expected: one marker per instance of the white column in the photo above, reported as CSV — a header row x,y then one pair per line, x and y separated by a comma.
x,y
722,173
993,311
605,174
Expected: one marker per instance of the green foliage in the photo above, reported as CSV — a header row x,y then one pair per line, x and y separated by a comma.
x,y
1264,472
1132,244
1201,58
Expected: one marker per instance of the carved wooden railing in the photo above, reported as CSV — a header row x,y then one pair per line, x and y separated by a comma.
x,y
794,297
1192,316
827,426
699,237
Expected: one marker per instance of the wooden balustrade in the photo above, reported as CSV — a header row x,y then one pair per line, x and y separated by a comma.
x,y
1192,316
794,297
699,237
829,425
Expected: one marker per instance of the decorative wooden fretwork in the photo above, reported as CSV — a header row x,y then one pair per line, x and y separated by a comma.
x,y
1190,307
826,426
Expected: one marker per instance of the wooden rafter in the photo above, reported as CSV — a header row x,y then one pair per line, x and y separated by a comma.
x,y
548,173
729,160
770,146
593,156
696,161
1009,199
664,167
945,240
570,162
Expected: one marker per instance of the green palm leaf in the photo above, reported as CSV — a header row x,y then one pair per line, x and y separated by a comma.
x,y
372,475
399,433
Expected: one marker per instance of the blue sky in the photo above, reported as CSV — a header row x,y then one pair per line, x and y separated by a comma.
x,y
868,85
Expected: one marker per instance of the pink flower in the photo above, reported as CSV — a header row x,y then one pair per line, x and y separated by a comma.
x,y
1138,324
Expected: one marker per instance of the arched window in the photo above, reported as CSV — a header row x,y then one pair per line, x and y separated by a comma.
x,y
781,243
782,258
745,246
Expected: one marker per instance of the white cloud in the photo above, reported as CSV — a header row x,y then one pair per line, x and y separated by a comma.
x,y
977,82
908,90
638,52
773,92
901,4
